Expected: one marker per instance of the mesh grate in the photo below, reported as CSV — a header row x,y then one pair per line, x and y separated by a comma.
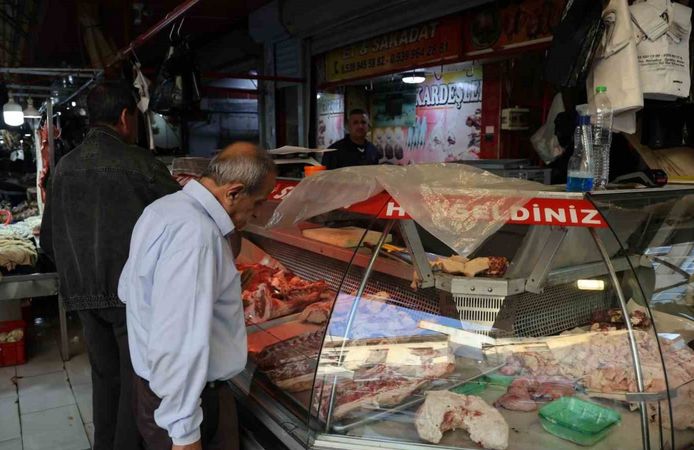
x,y
312,266
558,309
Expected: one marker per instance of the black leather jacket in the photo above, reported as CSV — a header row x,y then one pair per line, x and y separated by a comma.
x,y
97,193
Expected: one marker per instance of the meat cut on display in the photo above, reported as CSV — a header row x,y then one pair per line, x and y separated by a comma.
x,y
379,386
444,411
524,392
269,293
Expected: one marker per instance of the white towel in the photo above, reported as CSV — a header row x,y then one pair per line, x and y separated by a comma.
x,y
616,67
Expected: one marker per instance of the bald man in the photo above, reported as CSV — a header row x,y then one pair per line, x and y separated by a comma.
x,y
183,303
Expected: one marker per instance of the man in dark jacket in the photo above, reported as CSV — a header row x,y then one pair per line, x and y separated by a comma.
x,y
354,149
97,193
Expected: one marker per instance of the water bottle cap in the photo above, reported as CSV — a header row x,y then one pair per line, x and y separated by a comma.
x,y
583,120
600,89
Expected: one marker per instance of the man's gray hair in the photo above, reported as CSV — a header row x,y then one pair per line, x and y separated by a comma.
x,y
249,169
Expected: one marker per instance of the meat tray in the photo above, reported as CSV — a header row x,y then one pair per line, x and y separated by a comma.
x,y
456,380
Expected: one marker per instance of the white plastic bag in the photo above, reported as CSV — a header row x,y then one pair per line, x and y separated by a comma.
x,y
664,62
460,205
544,140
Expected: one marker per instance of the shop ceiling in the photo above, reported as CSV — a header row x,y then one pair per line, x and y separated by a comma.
x,y
51,33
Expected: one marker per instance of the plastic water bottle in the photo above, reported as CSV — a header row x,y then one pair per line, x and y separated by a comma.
x,y
581,171
602,137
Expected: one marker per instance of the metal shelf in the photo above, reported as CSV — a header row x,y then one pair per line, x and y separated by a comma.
x,y
24,286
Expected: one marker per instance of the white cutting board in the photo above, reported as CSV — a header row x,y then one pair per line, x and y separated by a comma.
x,y
347,237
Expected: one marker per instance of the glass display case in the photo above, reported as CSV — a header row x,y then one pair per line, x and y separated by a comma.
x,y
571,326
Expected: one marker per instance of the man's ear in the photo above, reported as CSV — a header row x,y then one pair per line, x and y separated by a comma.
x,y
231,190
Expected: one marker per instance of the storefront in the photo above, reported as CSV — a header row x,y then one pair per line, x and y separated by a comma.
x,y
436,91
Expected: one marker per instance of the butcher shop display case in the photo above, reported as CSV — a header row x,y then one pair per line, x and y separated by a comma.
x,y
568,322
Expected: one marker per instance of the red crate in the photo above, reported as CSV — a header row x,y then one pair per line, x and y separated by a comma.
x,y
12,353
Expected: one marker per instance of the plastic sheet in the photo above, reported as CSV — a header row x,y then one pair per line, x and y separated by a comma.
x,y
460,205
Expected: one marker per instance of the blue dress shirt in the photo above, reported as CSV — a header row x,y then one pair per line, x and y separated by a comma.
x,y
183,300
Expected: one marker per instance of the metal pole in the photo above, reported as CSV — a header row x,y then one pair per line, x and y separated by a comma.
x,y
51,141
645,431
353,311
147,35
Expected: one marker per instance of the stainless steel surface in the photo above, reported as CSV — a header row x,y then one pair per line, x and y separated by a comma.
x,y
25,286
416,250
37,285
586,271
458,285
632,340
538,277
282,423
294,237
353,311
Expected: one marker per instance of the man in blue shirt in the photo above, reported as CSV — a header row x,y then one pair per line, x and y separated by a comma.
x,y
183,302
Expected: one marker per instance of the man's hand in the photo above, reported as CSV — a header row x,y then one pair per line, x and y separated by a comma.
x,y
194,446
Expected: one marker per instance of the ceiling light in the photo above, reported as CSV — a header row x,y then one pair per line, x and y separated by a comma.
x,y
12,113
318,96
30,112
591,285
27,135
414,78
74,104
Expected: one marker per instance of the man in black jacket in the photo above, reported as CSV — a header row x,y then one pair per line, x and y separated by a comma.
x,y
97,193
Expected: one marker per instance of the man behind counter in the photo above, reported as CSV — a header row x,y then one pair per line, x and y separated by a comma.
x,y
353,149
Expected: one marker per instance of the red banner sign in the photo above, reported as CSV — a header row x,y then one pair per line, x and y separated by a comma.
x,y
537,211
432,42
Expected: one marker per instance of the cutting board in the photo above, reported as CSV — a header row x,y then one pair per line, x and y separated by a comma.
x,y
347,237
258,340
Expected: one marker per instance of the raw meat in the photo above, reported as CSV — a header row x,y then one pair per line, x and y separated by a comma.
x,y
317,313
603,362
443,411
274,292
497,266
524,393
301,347
613,319
379,386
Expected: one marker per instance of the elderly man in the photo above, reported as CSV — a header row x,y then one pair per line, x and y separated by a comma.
x,y
183,303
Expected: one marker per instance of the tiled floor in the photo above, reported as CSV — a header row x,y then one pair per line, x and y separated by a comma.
x,y
45,404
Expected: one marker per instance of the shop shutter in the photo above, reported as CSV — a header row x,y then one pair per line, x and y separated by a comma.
x,y
334,23
288,58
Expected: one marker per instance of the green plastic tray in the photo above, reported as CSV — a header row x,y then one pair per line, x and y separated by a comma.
x,y
470,388
499,380
578,421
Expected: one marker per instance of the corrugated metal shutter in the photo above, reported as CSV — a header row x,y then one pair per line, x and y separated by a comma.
x,y
335,23
288,58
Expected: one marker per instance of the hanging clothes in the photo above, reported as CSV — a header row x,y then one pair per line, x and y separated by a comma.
x,y
616,66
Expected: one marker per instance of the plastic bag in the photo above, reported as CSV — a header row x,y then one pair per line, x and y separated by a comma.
x,y
460,205
544,140
664,62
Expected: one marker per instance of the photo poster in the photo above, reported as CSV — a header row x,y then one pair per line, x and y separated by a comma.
x,y
445,126
330,119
